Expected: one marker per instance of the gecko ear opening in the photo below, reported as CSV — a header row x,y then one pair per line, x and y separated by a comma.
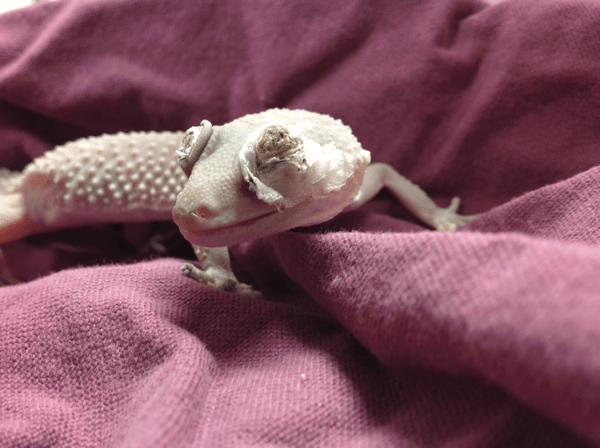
x,y
192,145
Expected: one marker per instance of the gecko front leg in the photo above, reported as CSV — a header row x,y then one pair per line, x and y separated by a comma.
x,y
381,175
215,270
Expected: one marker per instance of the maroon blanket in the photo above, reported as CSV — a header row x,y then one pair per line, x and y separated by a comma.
x,y
376,331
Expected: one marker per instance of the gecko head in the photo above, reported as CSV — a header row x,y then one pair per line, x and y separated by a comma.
x,y
255,180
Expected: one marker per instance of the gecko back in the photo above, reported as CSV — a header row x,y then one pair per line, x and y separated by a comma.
x,y
110,178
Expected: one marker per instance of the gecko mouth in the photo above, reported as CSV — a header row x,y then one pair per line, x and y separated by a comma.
x,y
269,223
230,234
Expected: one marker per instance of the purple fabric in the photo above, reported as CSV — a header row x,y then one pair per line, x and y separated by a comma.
x,y
376,331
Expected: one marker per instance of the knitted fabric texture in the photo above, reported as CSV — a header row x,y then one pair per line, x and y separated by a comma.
x,y
376,331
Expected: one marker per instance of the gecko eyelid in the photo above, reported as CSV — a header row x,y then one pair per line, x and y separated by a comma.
x,y
193,144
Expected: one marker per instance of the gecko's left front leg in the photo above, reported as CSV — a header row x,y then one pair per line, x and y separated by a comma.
x,y
381,175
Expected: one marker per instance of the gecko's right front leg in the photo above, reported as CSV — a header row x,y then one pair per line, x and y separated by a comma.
x,y
215,270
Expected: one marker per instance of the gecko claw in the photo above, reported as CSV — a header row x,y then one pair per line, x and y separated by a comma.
x,y
447,220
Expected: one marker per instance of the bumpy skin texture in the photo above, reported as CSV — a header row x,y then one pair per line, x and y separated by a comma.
x,y
256,176
110,178
105,175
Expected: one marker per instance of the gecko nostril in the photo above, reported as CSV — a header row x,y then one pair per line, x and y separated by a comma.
x,y
204,213
191,216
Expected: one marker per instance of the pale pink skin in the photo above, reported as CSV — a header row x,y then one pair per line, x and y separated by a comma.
x,y
112,178
216,209
135,177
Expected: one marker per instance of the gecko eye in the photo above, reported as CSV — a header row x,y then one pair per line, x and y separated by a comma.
x,y
192,145
273,164
274,144
287,162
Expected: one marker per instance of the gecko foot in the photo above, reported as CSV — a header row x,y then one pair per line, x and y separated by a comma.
x,y
220,280
446,219
191,271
